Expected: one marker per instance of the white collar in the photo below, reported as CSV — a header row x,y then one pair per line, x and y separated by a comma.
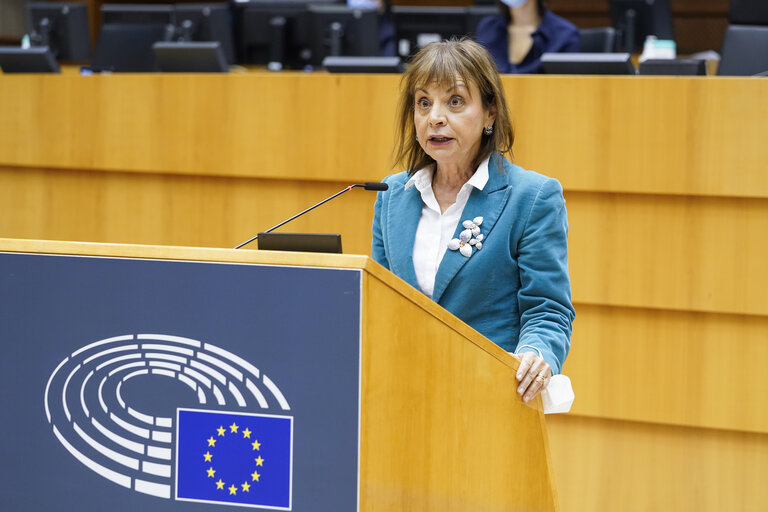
x,y
423,177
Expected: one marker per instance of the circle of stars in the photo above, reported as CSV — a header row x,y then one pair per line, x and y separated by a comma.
x,y
234,428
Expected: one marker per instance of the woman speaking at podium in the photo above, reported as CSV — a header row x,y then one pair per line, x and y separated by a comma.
x,y
484,238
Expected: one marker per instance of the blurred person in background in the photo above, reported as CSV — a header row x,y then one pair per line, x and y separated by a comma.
x,y
521,32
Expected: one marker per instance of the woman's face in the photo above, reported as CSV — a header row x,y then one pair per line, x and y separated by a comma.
x,y
449,121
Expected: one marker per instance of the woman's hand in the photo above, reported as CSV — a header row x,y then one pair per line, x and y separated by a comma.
x,y
533,375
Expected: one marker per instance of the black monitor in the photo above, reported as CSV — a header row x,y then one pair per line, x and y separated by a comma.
x,y
587,64
27,60
302,242
748,12
674,67
273,33
127,35
637,19
337,30
206,22
194,57
415,27
62,27
381,64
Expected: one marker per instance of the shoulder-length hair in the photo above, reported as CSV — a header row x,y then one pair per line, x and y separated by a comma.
x,y
445,62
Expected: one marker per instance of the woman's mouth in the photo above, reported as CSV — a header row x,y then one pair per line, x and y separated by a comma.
x,y
439,140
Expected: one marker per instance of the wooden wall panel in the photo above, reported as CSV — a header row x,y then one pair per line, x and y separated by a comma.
x,y
199,211
670,367
669,252
660,135
636,467
642,134
287,125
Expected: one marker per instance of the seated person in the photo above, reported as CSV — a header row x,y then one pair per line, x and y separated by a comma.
x,y
522,32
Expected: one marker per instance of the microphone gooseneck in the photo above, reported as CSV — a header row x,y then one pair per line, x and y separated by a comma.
x,y
371,185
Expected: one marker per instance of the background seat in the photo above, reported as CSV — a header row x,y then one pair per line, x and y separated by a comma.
x,y
597,40
745,51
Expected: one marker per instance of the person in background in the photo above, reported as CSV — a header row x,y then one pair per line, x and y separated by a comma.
x,y
522,32
482,237
386,26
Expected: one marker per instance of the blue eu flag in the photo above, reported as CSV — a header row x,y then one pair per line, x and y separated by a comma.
x,y
234,458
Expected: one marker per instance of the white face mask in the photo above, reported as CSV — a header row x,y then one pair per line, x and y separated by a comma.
x,y
363,4
515,3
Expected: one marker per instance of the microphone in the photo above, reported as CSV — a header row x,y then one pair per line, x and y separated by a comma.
x,y
370,185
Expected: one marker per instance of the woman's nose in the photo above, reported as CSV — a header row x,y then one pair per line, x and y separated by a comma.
x,y
436,115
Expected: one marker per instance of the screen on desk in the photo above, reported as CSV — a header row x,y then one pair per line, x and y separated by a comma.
x,y
127,35
337,30
637,19
273,33
62,27
748,12
415,27
205,23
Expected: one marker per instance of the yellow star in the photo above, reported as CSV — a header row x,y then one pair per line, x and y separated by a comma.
x,y
246,433
233,427
259,461
219,484
255,476
256,445
211,441
232,490
246,487
207,456
211,472
221,430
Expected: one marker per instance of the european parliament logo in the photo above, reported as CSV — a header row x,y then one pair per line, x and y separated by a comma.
x,y
227,450
234,458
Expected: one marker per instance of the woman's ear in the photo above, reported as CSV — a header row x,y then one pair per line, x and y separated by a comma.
x,y
491,115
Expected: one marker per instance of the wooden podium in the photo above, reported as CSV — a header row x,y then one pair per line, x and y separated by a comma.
x,y
440,424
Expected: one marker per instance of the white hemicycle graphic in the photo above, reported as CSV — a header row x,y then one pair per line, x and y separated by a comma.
x,y
123,444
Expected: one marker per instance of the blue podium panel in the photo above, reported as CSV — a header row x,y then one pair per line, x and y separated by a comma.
x,y
152,385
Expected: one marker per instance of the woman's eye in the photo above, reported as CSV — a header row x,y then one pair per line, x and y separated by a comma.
x,y
422,103
457,101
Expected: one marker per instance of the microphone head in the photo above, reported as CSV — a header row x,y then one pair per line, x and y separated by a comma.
x,y
375,185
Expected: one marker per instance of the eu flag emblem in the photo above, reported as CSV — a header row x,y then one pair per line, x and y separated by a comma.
x,y
234,458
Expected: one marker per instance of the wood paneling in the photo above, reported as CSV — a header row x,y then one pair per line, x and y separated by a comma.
x,y
287,125
669,252
444,428
636,467
670,367
183,210
659,135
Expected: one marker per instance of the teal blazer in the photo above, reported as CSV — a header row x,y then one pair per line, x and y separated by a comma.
x,y
516,290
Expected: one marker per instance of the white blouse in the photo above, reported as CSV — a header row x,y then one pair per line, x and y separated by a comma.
x,y
436,229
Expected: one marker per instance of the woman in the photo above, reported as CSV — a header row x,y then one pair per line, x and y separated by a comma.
x,y
522,32
484,238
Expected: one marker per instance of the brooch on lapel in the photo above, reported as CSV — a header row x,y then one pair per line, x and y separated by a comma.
x,y
470,236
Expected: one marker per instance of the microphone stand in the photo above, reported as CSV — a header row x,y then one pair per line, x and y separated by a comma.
x,y
367,186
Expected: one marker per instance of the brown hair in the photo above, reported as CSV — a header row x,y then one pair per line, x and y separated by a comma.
x,y
444,62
